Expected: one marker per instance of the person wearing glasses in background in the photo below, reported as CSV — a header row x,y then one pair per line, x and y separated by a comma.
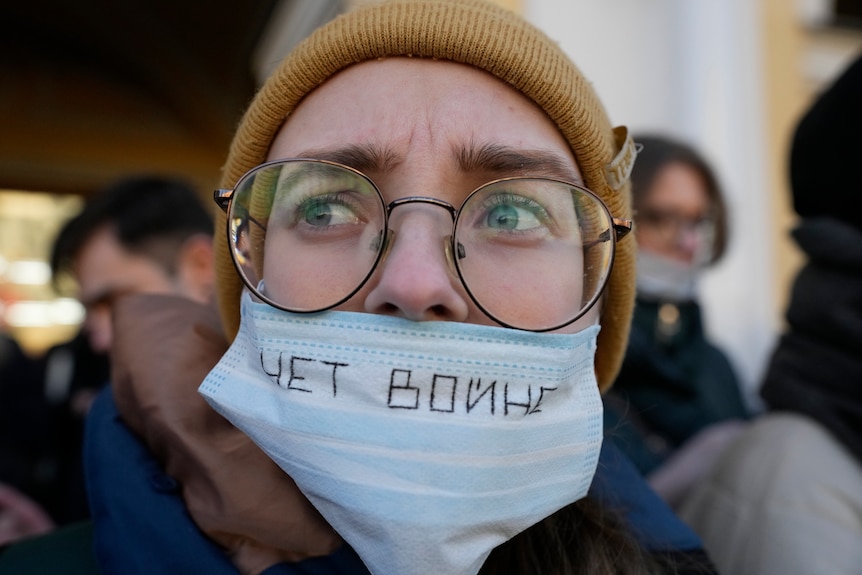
x,y
675,388
424,284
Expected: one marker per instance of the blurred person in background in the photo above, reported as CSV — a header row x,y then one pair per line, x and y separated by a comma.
x,y
141,234
20,404
674,383
786,497
145,234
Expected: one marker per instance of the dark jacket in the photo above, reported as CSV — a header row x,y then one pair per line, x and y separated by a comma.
x,y
672,384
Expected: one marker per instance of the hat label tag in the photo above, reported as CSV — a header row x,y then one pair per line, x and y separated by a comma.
x,y
619,169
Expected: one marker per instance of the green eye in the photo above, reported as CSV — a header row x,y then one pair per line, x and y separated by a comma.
x,y
509,217
320,212
512,212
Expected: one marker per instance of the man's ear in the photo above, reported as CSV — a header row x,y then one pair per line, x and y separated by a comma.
x,y
195,270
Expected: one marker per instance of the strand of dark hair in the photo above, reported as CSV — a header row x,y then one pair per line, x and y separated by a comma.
x,y
583,538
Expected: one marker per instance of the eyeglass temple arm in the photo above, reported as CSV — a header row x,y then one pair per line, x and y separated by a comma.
x,y
621,227
222,198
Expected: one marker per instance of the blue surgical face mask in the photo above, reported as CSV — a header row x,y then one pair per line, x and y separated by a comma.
x,y
424,444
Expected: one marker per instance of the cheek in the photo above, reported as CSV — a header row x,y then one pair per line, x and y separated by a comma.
x,y
519,290
305,280
591,318
648,239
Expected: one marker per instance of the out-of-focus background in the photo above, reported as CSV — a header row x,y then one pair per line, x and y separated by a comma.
x,y
94,90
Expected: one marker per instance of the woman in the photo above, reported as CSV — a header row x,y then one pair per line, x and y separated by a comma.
x,y
674,383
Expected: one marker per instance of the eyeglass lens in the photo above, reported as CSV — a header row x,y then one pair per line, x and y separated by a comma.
x,y
532,253
678,231
670,225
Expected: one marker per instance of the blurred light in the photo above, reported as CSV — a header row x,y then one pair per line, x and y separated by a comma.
x,y
64,311
29,272
68,311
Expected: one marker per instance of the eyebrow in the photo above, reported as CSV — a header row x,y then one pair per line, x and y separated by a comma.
x,y
362,157
106,296
496,159
508,161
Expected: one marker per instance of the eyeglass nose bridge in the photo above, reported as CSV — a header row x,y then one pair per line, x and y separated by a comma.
x,y
421,200
449,248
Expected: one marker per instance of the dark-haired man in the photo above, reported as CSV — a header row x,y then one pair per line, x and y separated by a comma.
x,y
141,234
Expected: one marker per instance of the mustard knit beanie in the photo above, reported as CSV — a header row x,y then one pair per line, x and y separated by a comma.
x,y
474,32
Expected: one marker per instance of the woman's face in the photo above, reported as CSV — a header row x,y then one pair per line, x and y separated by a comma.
x,y
674,219
427,128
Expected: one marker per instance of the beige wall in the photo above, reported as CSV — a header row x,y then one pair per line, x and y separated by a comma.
x,y
800,59
786,97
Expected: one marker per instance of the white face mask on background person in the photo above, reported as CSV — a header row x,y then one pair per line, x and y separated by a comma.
x,y
666,279
424,444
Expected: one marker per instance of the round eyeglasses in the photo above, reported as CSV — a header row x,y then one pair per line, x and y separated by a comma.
x,y
532,253
677,231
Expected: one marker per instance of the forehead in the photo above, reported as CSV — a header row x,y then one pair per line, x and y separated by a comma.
x,y
103,264
418,109
678,184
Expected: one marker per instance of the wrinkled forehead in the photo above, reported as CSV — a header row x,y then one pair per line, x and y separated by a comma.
x,y
384,112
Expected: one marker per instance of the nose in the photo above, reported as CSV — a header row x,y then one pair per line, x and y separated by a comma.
x,y
415,281
98,328
688,241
